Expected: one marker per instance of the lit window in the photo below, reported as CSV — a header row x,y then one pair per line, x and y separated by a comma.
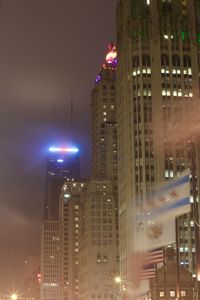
x,y
104,119
183,293
190,94
162,294
104,113
189,71
148,2
174,93
166,174
172,293
168,93
166,37
148,71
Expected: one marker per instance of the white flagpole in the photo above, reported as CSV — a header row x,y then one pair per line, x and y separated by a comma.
x,y
177,263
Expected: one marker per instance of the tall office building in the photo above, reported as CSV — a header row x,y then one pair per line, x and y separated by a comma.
x,y
158,44
99,223
98,258
62,164
70,215
104,119
104,124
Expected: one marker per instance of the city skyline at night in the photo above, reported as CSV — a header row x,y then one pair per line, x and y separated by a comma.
x,y
43,57
100,157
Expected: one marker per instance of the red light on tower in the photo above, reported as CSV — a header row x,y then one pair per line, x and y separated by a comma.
x,y
112,54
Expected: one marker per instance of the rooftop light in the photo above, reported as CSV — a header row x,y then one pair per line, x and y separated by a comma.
x,y
63,149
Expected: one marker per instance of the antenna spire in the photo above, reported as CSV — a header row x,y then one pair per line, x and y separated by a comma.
x,y
71,112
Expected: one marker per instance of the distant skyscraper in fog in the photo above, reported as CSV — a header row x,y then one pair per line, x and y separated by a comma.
x,y
62,164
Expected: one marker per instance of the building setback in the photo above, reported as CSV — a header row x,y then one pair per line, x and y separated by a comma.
x,y
157,84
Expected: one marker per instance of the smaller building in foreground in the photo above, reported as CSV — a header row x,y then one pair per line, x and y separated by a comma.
x,y
164,286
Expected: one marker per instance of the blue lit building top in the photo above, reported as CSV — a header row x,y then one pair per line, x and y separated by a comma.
x,y
62,163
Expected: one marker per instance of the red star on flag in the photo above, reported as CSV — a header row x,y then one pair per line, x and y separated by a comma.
x,y
173,194
162,199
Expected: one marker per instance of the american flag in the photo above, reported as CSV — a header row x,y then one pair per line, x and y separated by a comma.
x,y
144,264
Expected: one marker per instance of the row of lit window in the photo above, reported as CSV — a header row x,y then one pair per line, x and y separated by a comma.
x,y
186,249
144,71
65,186
187,71
172,294
176,93
111,106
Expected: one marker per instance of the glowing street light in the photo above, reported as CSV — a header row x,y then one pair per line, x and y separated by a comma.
x,y
118,279
14,296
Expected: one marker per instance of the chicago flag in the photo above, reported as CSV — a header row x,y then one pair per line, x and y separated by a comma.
x,y
155,223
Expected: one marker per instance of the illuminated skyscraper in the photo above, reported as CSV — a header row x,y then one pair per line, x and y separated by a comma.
x,y
62,164
69,223
98,259
158,44
104,120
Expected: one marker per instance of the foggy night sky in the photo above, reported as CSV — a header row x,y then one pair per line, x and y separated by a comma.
x,y
47,47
